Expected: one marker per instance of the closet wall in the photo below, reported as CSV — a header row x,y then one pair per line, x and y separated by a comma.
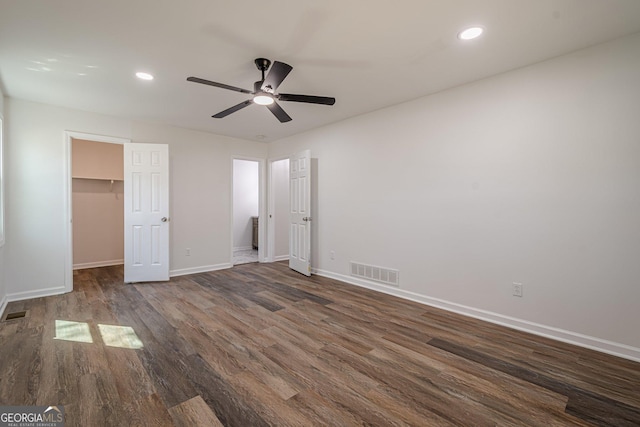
x,y
98,204
246,194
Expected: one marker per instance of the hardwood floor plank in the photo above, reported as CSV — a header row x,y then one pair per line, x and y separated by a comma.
x,y
145,411
129,374
406,411
98,397
312,371
582,403
223,289
261,345
420,389
194,413
323,412
20,376
229,405
269,405
213,350
163,353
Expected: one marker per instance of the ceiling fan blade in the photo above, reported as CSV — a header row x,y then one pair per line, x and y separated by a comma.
x,y
277,73
233,109
325,100
279,112
220,85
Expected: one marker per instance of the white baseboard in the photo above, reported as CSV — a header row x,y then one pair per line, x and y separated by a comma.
x,y
98,264
3,304
243,248
593,343
201,269
281,258
19,296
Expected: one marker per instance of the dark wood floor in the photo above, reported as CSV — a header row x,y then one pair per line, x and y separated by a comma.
x,y
260,345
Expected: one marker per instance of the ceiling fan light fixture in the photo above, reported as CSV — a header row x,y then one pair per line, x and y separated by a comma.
x,y
470,33
263,99
144,76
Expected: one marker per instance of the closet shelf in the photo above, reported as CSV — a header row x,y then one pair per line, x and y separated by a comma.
x,y
97,179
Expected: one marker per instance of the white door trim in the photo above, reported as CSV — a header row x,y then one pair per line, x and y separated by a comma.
x,y
262,209
68,218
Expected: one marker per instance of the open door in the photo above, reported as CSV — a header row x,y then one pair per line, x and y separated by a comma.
x,y
300,212
146,212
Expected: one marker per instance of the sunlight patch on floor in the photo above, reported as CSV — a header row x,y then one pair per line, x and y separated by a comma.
x,y
120,336
112,335
73,331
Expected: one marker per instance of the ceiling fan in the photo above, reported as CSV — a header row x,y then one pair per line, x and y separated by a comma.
x,y
264,91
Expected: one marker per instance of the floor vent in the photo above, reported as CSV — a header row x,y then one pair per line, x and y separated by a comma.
x,y
387,276
16,315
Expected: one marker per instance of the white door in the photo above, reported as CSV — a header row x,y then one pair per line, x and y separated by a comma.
x,y
146,212
300,212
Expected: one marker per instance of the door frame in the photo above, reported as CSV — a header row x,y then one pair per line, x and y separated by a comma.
x,y
262,209
68,195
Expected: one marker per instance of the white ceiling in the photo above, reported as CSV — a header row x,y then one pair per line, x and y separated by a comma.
x,y
368,54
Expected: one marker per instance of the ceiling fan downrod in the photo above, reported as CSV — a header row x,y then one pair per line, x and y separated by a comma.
x,y
263,65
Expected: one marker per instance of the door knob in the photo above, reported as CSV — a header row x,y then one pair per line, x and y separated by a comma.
x,y
306,218
164,219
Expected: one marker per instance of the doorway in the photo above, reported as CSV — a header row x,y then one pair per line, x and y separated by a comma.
x,y
246,241
96,184
97,203
279,209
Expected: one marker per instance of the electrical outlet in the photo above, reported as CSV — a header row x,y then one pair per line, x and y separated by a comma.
x,y
187,252
333,255
517,289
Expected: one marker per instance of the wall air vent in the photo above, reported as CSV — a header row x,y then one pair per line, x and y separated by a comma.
x,y
387,276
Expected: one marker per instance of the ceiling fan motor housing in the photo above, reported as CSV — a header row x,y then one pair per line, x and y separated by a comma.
x,y
257,86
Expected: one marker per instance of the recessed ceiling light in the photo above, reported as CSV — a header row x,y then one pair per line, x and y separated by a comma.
x,y
470,33
144,76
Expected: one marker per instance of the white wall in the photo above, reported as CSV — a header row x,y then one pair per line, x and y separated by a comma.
x,y
3,288
35,158
246,188
98,222
36,164
200,167
530,176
